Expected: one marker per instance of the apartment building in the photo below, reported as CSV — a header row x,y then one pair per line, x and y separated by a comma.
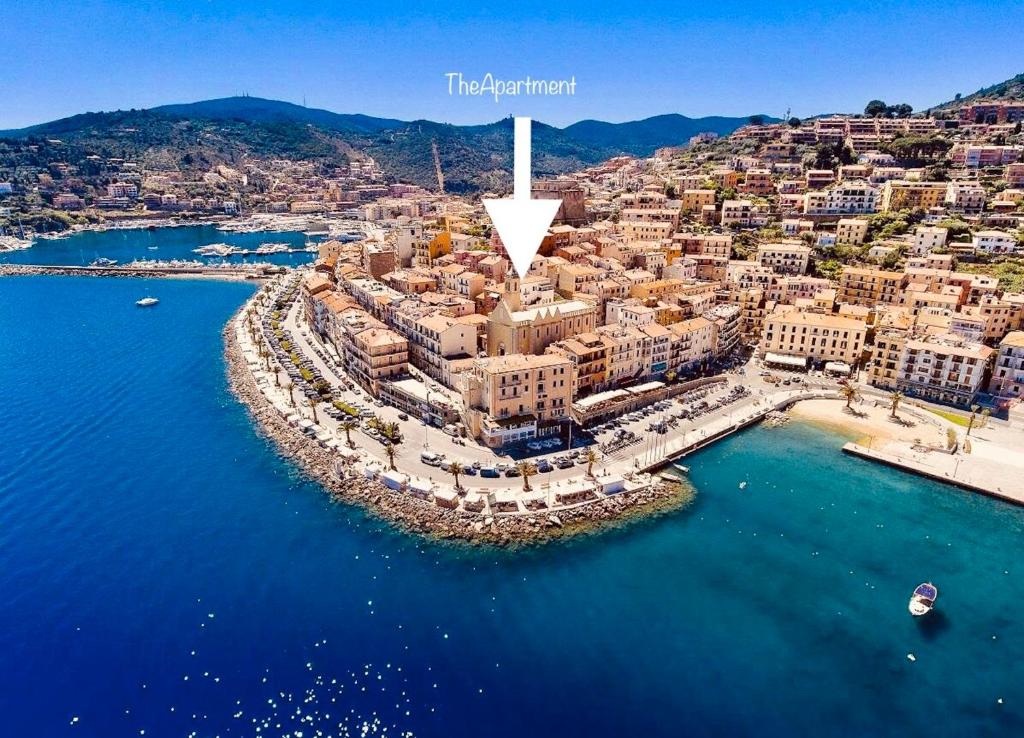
x,y
589,354
693,201
513,398
737,213
1008,374
906,195
965,197
866,286
693,343
994,242
820,337
845,198
928,238
943,369
784,258
376,355
852,231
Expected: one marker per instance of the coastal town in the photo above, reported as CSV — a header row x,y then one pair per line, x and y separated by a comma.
x,y
869,267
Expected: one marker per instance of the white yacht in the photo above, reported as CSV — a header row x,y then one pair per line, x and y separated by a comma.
x,y
923,599
146,302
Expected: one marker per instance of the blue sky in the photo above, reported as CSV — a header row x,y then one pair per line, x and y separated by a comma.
x,y
630,60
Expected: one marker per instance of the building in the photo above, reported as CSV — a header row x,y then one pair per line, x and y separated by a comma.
x,y
905,195
853,231
737,213
943,369
376,355
994,242
845,198
1008,374
513,398
929,238
784,258
513,329
866,286
820,337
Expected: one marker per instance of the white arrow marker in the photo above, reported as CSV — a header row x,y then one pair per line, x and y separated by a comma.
x,y
521,222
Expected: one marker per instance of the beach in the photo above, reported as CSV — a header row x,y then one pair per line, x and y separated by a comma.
x,y
871,421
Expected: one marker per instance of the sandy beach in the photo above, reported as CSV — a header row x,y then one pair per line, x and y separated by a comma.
x,y
869,422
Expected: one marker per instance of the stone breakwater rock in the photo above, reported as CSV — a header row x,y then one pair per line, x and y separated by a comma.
x,y
422,516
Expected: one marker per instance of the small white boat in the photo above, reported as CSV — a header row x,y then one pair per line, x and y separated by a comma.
x,y
104,262
923,599
743,485
146,302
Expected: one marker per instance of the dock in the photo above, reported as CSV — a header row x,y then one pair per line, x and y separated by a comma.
x,y
944,468
232,271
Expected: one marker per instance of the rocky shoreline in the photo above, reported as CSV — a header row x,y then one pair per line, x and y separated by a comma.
x,y
423,517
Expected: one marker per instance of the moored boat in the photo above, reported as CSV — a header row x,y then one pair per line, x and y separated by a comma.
x,y
147,302
923,599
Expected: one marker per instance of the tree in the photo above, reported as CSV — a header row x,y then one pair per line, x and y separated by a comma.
x,y
849,393
591,457
313,402
901,110
875,109
389,449
894,402
527,469
974,421
794,122
455,469
950,439
348,426
290,386
756,120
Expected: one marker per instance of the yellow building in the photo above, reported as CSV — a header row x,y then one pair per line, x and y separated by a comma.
x,y
816,336
513,398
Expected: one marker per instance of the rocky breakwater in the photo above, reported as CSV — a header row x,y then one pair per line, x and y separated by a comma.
x,y
346,483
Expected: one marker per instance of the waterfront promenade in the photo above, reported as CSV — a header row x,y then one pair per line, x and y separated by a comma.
x,y
629,471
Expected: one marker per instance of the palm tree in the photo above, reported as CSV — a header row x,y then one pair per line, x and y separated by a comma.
x,y
348,426
290,386
849,392
455,469
313,402
527,469
894,403
389,449
391,432
591,457
974,417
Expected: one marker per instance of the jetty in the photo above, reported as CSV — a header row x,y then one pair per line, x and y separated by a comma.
x,y
218,271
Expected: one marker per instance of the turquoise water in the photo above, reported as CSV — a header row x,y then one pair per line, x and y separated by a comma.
x,y
149,534
165,244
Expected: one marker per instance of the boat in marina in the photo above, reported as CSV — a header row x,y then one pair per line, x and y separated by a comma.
x,y
215,249
272,248
104,262
923,599
146,302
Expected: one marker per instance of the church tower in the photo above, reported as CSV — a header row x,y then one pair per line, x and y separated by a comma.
x,y
513,298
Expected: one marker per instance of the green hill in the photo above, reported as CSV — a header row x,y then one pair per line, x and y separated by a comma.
x,y
194,136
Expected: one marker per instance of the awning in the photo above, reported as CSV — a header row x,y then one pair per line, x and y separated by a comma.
x,y
793,361
838,367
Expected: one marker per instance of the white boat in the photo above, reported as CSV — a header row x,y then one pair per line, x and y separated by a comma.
x,y
104,262
215,249
146,302
923,599
272,248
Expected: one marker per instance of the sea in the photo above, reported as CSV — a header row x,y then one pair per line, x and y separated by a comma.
x,y
165,572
